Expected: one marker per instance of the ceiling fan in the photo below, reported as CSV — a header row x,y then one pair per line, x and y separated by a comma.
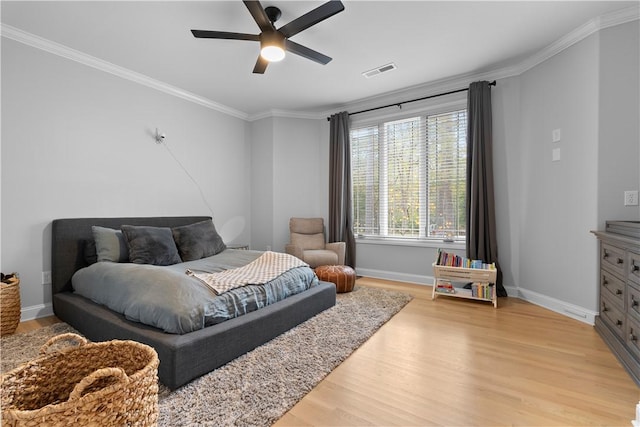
x,y
274,42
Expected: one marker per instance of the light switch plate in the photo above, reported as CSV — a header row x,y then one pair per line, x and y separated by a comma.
x,y
555,135
555,155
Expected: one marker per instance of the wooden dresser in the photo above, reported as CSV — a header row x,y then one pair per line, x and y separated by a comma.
x,y
619,320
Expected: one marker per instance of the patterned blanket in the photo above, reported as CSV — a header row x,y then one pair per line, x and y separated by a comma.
x,y
264,269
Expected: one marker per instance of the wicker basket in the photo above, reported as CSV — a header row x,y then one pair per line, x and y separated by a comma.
x,y
9,304
112,383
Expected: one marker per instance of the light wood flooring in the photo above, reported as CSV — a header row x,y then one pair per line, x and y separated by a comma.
x,y
454,362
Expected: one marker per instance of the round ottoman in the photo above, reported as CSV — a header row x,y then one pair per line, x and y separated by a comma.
x,y
343,276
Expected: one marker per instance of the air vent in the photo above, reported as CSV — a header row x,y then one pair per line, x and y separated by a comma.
x,y
379,70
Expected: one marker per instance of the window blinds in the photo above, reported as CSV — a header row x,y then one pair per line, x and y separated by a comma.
x,y
409,177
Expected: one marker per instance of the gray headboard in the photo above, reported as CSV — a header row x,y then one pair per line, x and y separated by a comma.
x,y
70,235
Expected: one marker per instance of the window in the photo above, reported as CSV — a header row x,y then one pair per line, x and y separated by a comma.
x,y
409,177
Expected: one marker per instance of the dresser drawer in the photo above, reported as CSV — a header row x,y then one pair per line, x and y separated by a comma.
x,y
633,301
613,258
634,267
633,336
612,287
612,316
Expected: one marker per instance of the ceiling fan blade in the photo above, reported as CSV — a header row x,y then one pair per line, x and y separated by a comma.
x,y
259,15
205,34
261,65
312,18
305,52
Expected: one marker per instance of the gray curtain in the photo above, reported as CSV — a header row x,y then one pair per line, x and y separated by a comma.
x,y
481,218
340,215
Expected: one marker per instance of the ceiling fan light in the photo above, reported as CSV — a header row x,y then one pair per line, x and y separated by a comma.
x,y
272,53
272,46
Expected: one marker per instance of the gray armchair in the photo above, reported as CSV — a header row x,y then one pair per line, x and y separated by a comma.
x,y
307,242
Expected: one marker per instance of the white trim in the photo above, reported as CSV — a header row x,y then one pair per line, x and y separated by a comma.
x,y
561,307
417,243
582,32
286,114
416,279
36,311
99,64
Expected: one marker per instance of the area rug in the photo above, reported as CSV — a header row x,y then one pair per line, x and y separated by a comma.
x,y
258,388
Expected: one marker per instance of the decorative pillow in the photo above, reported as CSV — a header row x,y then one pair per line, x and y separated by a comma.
x,y
150,245
198,240
90,255
110,244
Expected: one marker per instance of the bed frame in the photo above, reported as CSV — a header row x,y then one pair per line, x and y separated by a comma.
x,y
182,357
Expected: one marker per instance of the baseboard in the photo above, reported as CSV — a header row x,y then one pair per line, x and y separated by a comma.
x,y
561,307
395,276
36,311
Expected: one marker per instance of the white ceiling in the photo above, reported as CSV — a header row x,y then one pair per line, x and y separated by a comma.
x,y
427,40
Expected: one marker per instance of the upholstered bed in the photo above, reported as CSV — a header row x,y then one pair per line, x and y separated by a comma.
x,y
184,356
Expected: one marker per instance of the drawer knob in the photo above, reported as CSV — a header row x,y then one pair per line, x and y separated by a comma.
x,y
605,254
618,292
604,307
634,303
635,268
620,261
633,337
618,322
605,282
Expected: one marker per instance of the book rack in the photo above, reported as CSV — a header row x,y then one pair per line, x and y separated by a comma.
x,y
447,274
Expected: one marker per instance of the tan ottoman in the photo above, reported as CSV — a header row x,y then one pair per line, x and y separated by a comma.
x,y
343,276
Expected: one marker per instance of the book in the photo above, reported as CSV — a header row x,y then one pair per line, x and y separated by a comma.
x,y
448,259
446,288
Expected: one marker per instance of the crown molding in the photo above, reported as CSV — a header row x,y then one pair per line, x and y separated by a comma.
x,y
618,17
443,85
58,49
284,113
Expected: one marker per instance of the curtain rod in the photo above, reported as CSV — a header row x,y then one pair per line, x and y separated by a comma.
x,y
399,104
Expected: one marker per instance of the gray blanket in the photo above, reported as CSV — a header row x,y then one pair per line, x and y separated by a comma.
x,y
169,299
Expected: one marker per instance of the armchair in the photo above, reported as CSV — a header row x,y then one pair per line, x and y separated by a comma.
x,y
307,242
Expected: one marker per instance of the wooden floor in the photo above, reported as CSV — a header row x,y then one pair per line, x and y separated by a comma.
x,y
454,362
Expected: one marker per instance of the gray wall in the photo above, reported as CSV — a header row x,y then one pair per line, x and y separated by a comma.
x,y
289,179
262,164
558,200
619,132
77,142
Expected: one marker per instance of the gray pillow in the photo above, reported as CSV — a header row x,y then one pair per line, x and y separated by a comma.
x,y
198,240
110,245
150,245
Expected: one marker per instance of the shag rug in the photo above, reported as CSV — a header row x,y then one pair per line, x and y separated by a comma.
x,y
259,387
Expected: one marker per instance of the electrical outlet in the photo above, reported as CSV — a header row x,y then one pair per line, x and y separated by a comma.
x,y
46,277
631,198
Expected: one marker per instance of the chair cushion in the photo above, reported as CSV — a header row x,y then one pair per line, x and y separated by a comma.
x,y
308,241
320,257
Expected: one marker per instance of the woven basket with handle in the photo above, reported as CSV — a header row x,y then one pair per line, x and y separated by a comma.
x,y
9,304
112,383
